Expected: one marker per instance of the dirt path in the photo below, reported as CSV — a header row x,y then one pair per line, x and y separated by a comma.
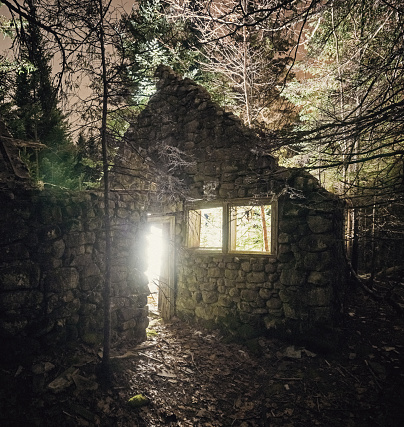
x,y
353,376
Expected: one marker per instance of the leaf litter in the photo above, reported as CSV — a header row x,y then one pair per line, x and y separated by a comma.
x,y
186,376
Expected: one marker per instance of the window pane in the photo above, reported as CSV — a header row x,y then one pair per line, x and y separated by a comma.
x,y
251,228
205,228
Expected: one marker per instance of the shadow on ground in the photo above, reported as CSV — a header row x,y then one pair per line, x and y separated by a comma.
x,y
187,376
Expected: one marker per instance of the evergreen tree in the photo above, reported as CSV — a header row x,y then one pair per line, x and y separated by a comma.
x,y
351,103
35,114
154,39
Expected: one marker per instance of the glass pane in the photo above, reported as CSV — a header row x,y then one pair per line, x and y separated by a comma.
x,y
251,228
211,227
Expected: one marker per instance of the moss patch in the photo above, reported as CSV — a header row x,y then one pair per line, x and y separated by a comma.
x,y
138,401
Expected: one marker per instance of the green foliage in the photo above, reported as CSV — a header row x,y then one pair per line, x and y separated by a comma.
x,y
351,94
29,105
88,161
154,39
249,223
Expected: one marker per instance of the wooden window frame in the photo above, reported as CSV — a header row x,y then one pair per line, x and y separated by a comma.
x,y
227,224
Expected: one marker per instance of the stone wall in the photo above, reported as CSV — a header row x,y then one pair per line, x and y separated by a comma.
x,y
51,268
293,289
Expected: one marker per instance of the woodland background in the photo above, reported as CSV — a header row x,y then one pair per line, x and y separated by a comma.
x,y
321,82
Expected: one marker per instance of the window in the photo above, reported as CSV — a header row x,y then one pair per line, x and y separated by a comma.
x,y
205,228
250,228
232,227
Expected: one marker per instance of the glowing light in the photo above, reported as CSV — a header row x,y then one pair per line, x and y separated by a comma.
x,y
155,251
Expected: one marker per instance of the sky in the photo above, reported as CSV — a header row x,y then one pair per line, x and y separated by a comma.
x,y
5,44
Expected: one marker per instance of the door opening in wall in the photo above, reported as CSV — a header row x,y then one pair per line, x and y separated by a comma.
x,y
155,249
160,271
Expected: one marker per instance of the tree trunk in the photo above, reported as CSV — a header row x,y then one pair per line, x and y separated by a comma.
x,y
107,219
355,241
264,229
245,74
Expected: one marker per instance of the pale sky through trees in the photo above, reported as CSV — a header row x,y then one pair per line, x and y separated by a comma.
x,y
118,6
5,42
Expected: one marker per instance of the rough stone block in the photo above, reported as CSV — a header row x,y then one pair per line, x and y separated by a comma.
x,y
286,257
256,277
87,309
283,249
224,301
265,293
66,310
19,276
293,277
58,248
62,279
274,304
11,328
249,295
232,265
284,238
244,306
319,224
21,300
129,324
209,297
246,266
204,312
320,278
290,312
267,285
258,266
208,286
234,292
270,268
14,252
316,242
231,274
288,226
318,261
294,211
75,239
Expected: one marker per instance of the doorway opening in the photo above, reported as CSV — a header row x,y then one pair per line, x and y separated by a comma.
x,y
160,271
155,250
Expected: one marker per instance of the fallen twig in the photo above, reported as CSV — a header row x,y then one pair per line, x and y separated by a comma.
x,y
150,357
373,375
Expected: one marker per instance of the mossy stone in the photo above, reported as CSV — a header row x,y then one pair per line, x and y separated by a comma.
x,y
138,401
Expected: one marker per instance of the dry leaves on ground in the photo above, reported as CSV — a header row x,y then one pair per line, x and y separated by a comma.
x,y
192,377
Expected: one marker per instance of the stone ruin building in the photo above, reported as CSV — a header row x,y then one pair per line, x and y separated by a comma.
x,y
254,248
290,280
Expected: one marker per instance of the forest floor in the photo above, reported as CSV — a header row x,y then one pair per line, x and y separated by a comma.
x,y
351,376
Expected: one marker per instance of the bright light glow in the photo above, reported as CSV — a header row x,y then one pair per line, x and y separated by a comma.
x,y
155,250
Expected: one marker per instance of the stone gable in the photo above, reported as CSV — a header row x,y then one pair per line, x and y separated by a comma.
x,y
293,287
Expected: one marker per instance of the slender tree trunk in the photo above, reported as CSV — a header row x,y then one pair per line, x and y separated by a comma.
x,y
245,65
264,229
355,241
107,219
373,243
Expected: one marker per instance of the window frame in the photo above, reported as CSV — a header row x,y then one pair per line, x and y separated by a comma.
x,y
227,226
193,223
